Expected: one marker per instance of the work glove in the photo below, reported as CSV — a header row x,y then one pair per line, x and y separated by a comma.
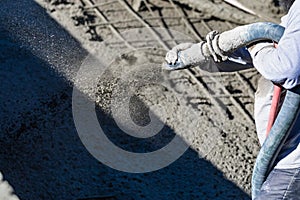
x,y
188,54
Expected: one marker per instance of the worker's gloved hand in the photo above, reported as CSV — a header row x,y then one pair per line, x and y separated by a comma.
x,y
189,54
184,55
172,55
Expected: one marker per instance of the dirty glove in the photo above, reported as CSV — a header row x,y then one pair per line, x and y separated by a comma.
x,y
189,54
184,55
172,55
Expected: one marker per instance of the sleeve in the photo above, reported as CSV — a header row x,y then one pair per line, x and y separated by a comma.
x,y
282,64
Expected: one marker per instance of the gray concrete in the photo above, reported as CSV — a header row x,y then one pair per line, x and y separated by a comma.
x,y
41,155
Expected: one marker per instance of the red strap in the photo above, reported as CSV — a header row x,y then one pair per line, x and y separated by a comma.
x,y
274,107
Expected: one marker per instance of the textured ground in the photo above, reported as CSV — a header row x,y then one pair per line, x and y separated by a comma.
x,y
41,154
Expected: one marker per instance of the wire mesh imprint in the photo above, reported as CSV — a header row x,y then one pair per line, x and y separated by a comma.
x,y
230,94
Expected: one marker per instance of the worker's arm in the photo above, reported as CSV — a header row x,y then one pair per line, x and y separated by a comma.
x,y
282,64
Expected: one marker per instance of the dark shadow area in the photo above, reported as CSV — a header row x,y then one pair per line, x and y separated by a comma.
x,y
41,155
139,113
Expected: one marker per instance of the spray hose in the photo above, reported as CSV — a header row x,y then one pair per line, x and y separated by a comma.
x,y
228,42
276,138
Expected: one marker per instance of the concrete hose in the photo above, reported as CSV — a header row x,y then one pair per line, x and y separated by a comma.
x,y
276,138
241,36
228,42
